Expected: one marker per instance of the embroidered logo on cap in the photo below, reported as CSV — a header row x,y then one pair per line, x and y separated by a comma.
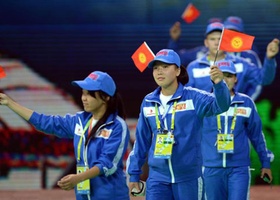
x,y
164,53
217,24
226,64
93,76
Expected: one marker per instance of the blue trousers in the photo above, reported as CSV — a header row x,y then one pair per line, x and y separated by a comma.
x,y
231,183
188,190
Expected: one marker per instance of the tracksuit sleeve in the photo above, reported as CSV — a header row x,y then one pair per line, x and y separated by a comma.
x,y
261,76
269,71
209,104
222,95
137,156
53,124
257,137
173,45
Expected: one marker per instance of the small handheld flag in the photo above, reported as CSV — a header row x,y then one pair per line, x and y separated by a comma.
x,y
190,14
233,41
142,56
2,72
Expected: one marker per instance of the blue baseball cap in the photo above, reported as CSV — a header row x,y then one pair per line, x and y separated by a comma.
x,y
167,56
215,26
96,81
234,23
226,66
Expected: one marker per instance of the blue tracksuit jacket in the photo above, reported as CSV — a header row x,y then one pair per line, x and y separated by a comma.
x,y
105,150
185,162
248,129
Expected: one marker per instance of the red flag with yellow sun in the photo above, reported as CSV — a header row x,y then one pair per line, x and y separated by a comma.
x,y
142,56
233,41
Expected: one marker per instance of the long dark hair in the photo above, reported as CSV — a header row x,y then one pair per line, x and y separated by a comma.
x,y
114,106
183,76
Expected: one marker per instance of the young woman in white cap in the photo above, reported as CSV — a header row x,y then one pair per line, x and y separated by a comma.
x,y
173,113
100,137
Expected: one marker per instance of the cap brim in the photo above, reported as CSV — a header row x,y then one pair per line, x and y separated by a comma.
x,y
216,29
229,71
151,64
84,85
231,27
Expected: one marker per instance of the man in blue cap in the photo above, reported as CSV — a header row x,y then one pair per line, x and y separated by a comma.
x,y
248,74
234,23
186,55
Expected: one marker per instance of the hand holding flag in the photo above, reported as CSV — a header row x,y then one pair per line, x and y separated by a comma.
x,y
190,14
142,56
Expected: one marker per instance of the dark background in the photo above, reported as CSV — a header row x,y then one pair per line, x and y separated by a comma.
x,y
65,40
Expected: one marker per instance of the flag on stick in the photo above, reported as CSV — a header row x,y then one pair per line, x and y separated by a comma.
x,y
233,41
142,56
2,72
190,14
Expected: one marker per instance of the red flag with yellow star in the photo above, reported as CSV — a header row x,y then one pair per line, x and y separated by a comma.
x,y
190,14
233,41
142,56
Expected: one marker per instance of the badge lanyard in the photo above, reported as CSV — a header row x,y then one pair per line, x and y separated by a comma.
x,y
164,140
233,121
225,141
172,117
84,186
81,138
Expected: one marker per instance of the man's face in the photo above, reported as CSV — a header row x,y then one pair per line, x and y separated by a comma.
x,y
212,41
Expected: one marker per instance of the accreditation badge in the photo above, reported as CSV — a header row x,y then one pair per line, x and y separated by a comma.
x,y
164,145
225,143
83,187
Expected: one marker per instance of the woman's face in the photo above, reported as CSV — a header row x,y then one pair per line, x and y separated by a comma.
x,y
230,79
165,75
92,104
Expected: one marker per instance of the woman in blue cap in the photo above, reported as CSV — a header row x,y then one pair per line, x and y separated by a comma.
x,y
100,137
174,114
226,145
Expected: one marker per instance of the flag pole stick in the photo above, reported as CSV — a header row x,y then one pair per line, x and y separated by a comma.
x,y
216,56
219,46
